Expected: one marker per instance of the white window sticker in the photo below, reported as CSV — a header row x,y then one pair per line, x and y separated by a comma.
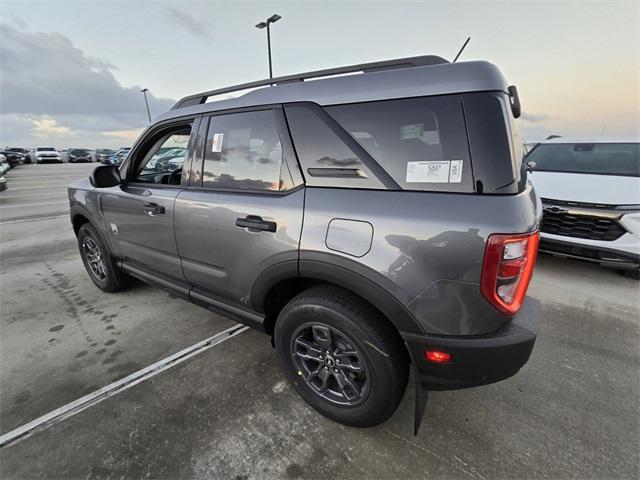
x,y
412,131
428,172
455,171
216,145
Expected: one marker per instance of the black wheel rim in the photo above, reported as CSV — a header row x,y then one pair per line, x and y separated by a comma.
x,y
330,364
93,255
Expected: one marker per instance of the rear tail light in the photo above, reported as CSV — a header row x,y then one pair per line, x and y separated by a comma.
x,y
507,268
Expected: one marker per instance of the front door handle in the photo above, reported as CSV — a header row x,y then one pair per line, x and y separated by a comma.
x,y
152,209
256,224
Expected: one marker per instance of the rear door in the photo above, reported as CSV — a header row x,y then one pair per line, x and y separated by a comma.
x,y
241,213
139,214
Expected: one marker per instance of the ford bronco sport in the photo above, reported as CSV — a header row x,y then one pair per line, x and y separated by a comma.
x,y
367,222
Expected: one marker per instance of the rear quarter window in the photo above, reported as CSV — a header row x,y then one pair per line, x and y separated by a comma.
x,y
494,143
420,142
327,154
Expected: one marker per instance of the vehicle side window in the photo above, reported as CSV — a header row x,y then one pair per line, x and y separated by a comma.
x,y
420,142
486,115
243,151
326,159
162,162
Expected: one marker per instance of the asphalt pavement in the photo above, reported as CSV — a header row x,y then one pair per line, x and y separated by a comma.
x,y
572,412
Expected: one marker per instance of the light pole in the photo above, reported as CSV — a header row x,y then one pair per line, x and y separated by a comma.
x,y
272,19
146,102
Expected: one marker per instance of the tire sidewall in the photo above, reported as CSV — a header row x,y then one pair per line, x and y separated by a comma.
x,y
381,382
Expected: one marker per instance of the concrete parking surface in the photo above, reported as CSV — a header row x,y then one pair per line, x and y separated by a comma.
x,y
572,412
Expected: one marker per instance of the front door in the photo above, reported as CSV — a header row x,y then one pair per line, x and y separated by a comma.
x,y
242,213
139,214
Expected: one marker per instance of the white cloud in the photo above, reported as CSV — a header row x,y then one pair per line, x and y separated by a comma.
x,y
127,136
50,89
45,128
194,26
537,117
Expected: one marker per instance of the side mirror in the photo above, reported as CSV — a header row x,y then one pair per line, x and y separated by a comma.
x,y
531,166
514,99
105,176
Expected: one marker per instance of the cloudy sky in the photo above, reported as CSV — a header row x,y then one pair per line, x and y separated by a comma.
x,y
71,71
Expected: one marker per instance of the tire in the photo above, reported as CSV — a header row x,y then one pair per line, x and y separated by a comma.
x,y
633,273
101,268
373,379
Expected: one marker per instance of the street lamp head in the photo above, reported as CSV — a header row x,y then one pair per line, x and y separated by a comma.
x,y
261,25
144,90
273,18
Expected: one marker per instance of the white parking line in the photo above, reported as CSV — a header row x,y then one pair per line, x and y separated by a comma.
x,y
34,219
31,204
116,387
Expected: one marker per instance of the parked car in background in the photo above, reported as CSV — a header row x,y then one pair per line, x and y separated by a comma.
x,y
590,190
103,153
168,159
367,222
4,165
48,155
118,157
528,146
23,151
79,155
14,158
3,183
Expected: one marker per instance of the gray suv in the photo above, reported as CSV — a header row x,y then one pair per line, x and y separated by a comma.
x,y
366,222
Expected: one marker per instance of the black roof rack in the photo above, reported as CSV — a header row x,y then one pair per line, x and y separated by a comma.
x,y
421,61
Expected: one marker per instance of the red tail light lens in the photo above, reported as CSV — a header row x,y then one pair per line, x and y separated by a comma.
x,y
507,269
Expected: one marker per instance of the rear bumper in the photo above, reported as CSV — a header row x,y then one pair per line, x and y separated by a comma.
x,y
477,360
622,253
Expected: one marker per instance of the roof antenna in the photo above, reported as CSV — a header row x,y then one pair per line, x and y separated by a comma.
x,y
463,47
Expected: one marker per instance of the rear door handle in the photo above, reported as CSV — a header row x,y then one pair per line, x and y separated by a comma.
x,y
256,224
152,209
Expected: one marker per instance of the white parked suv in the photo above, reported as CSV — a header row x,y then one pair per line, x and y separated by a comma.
x,y
48,154
590,190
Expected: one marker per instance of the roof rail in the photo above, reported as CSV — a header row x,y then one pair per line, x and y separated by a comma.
x,y
421,61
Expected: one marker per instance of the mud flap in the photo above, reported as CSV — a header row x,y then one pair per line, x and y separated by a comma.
x,y
422,395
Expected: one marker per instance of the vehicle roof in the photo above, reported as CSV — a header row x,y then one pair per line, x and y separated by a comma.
x,y
414,81
592,139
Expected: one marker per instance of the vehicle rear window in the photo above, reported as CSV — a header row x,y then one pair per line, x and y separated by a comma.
x,y
420,142
621,159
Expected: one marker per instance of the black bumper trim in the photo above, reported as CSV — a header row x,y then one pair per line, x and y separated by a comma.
x,y
604,256
477,360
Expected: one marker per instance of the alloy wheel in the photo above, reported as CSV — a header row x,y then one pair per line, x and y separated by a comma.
x,y
94,258
330,364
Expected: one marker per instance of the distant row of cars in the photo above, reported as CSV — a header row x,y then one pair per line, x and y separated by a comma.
x,y
5,166
11,157
18,156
